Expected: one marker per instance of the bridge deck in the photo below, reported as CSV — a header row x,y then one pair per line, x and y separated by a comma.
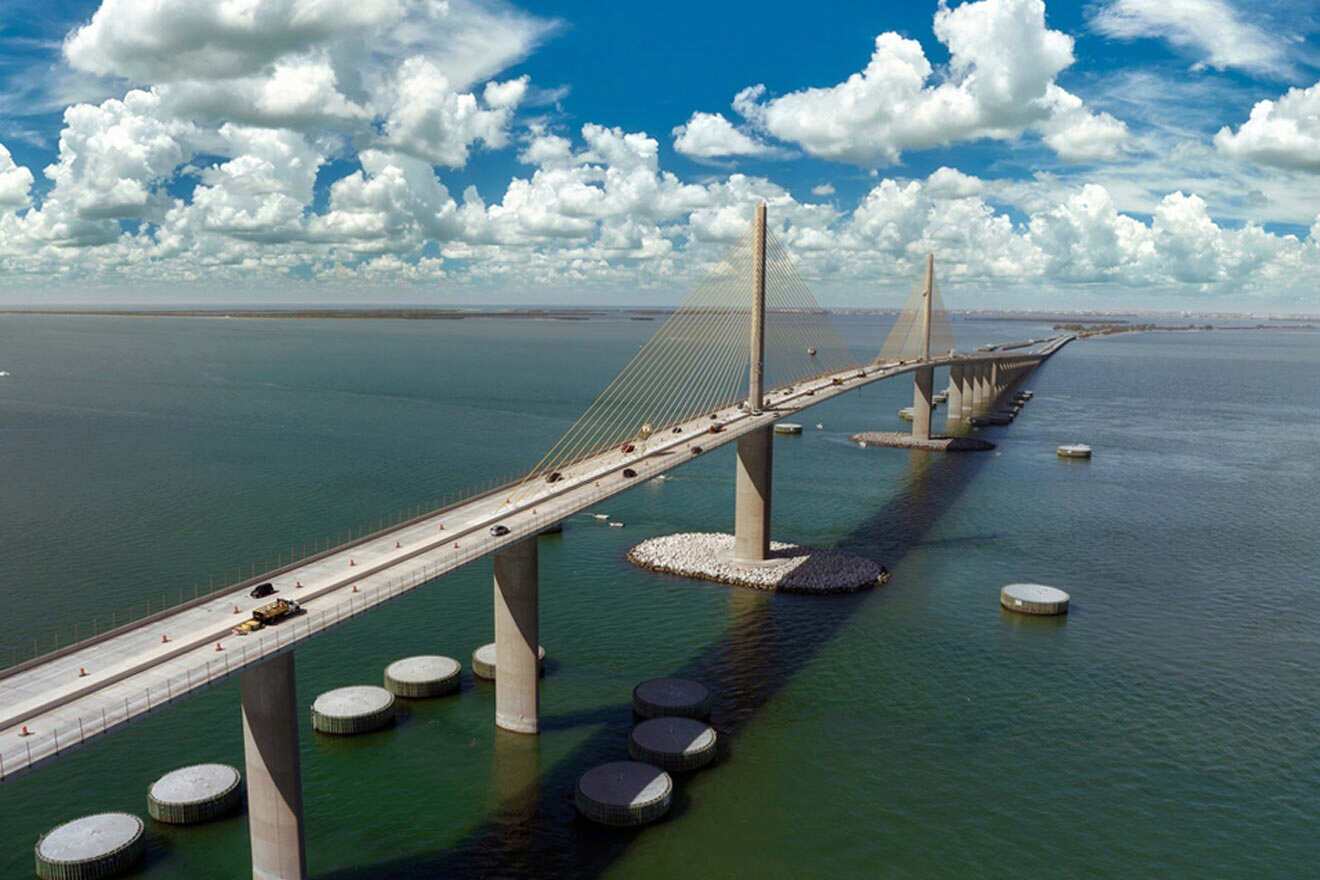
x,y
136,671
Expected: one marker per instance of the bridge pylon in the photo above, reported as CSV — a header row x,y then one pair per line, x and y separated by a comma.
x,y
923,379
752,478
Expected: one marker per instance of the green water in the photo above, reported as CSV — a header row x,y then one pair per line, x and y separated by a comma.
x,y
1168,727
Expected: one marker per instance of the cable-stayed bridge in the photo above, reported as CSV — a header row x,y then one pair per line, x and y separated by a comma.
x,y
748,347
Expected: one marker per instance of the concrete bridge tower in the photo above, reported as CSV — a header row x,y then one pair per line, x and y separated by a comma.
x,y
751,530
923,379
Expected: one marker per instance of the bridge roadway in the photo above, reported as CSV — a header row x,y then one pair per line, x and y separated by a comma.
x,y
71,696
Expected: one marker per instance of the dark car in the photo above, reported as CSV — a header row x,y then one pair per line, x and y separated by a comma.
x,y
715,429
627,448
553,477
678,430
498,530
629,473
696,450
261,590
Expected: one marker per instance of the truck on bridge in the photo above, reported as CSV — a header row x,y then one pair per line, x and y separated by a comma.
x,y
269,613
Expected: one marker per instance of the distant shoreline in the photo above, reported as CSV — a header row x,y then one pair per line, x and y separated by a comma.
x,y
1094,322
336,314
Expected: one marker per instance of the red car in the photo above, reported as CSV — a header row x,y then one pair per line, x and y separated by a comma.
x,y
627,447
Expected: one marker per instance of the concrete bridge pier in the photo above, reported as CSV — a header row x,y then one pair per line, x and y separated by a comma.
x,y
966,374
983,394
923,382
751,526
274,772
517,637
953,406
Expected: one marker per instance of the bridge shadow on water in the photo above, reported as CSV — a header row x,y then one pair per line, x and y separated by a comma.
x,y
534,830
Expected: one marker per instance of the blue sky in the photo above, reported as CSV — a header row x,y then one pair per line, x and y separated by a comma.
x,y
1113,154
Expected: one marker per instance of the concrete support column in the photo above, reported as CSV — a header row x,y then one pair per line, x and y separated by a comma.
x,y
996,386
965,378
983,389
517,637
274,773
923,381
751,527
953,406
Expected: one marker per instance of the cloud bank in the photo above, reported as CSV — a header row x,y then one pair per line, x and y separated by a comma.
x,y
317,142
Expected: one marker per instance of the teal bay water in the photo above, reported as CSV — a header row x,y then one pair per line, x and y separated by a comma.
x,y
1168,727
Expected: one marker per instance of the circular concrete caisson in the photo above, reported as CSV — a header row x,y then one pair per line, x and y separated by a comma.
x,y
624,793
421,677
198,793
483,661
675,744
1034,599
102,845
660,697
355,709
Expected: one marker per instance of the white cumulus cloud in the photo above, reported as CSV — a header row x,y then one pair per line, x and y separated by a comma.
x,y
15,181
431,120
710,135
999,83
1283,133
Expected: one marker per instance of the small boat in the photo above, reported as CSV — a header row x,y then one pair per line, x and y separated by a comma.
x,y
940,396
601,515
788,428
811,351
820,427
1074,450
907,414
616,525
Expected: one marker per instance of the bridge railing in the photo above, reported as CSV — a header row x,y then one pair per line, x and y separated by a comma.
x,y
147,692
